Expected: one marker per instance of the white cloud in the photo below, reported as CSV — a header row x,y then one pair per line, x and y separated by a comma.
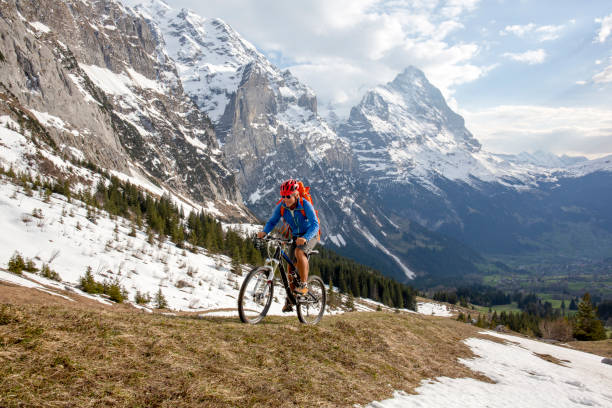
x,y
581,82
561,130
530,57
540,33
604,76
549,32
454,8
518,30
606,28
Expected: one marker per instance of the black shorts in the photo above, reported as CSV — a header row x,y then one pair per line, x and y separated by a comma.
x,y
307,247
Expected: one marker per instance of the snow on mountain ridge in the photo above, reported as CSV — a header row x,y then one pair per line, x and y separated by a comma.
x,y
209,54
405,131
213,61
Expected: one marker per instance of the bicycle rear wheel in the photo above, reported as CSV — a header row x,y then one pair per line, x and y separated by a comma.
x,y
255,296
310,308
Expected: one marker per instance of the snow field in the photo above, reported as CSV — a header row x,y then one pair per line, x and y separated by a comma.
x,y
60,234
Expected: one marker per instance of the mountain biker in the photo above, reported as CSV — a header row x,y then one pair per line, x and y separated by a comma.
x,y
304,230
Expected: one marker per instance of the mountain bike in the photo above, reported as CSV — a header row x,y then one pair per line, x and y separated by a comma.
x,y
257,290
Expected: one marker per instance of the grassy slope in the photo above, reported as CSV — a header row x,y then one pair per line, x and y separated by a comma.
x,y
56,353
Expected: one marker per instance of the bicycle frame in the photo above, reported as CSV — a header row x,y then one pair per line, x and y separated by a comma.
x,y
274,261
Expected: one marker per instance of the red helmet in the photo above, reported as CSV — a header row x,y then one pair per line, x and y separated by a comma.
x,y
288,187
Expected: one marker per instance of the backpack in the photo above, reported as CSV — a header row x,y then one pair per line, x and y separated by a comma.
x,y
304,195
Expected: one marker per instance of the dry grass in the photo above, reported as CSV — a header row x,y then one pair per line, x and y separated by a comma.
x,y
61,354
601,348
552,359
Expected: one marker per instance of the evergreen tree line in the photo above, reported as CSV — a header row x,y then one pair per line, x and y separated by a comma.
x,y
520,322
359,280
584,325
168,220
159,216
488,296
477,294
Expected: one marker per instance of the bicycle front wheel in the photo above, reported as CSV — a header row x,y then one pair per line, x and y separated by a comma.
x,y
311,307
255,296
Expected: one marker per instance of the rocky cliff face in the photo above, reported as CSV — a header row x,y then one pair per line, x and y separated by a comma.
x,y
98,78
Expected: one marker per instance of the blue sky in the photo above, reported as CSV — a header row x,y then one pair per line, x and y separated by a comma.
x,y
526,75
569,53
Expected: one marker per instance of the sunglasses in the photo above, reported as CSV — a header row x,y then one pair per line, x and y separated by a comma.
x,y
288,196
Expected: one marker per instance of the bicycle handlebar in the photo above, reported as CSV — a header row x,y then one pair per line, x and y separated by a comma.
x,y
274,239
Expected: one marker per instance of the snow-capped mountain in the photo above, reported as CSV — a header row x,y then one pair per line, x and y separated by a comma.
x,y
422,163
209,55
246,97
545,159
405,132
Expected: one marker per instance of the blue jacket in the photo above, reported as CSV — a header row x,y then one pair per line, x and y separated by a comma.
x,y
300,227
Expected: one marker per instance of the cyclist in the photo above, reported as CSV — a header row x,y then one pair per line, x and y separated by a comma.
x,y
302,220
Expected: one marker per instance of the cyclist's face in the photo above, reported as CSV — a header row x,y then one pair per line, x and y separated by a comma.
x,y
290,200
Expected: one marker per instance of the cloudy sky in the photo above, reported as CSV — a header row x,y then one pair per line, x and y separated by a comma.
x,y
525,74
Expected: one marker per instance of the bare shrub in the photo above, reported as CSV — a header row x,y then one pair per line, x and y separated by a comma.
x,y
54,255
560,329
183,284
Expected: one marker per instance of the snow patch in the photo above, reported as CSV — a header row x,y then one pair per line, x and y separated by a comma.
x,y
521,379
40,26
433,309
376,243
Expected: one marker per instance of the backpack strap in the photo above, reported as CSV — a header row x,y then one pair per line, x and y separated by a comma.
x,y
282,209
302,210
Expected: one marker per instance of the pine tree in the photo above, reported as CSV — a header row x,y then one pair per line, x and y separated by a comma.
x,y
88,284
588,326
563,307
160,300
573,305
350,303
16,264
331,295
236,266
142,298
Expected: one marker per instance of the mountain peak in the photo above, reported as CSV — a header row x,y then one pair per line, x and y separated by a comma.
x,y
410,76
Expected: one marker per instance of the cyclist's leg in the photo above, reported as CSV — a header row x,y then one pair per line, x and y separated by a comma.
x,y
302,259
290,268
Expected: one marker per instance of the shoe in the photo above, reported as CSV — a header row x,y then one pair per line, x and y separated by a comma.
x,y
288,306
301,289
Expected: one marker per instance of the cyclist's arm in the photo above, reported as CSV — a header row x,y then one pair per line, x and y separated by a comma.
x,y
273,220
314,225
